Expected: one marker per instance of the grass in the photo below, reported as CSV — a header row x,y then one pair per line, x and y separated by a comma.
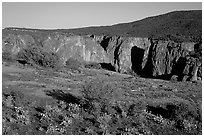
x,y
106,106
111,105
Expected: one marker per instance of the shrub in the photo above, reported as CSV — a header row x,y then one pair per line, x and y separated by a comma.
x,y
13,116
103,111
22,115
73,64
131,72
93,66
116,115
100,91
111,112
59,119
6,56
36,56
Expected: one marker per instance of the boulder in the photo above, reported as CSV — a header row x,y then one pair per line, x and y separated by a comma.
x,y
174,78
185,78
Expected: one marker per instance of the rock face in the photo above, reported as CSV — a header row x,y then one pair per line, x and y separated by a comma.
x,y
152,58
81,48
128,53
166,57
144,56
193,66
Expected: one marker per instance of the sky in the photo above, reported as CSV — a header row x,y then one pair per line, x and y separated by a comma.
x,y
65,15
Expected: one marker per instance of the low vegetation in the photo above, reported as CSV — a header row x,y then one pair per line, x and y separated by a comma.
x,y
7,57
36,56
93,66
60,101
73,64
177,26
103,109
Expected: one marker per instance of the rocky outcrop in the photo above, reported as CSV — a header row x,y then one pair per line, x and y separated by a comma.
x,y
126,53
193,66
143,56
80,48
166,58
152,58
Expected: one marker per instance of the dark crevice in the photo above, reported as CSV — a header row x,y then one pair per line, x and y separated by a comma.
x,y
22,61
198,47
178,68
91,36
137,55
107,66
104,43
164,77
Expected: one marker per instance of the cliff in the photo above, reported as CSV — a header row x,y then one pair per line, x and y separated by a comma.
x,y
145,57
165,46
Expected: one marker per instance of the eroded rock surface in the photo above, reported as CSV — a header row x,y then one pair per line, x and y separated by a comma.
x,y
144,56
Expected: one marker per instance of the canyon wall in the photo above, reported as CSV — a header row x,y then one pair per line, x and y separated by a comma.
x,y
143,56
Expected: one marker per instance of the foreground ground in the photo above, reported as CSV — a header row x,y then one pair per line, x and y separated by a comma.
x,y
90,101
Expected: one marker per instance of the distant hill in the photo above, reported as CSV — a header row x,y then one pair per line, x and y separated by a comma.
x,y
182,25
177,26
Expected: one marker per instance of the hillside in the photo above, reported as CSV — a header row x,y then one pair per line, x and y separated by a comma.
x,y
104,81
178,26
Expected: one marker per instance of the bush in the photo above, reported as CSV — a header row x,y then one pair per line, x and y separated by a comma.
x,y
6,56
113,113
131,72
36,56
117,115
59,119
13,116
102,111
99,90
93,66
73,64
